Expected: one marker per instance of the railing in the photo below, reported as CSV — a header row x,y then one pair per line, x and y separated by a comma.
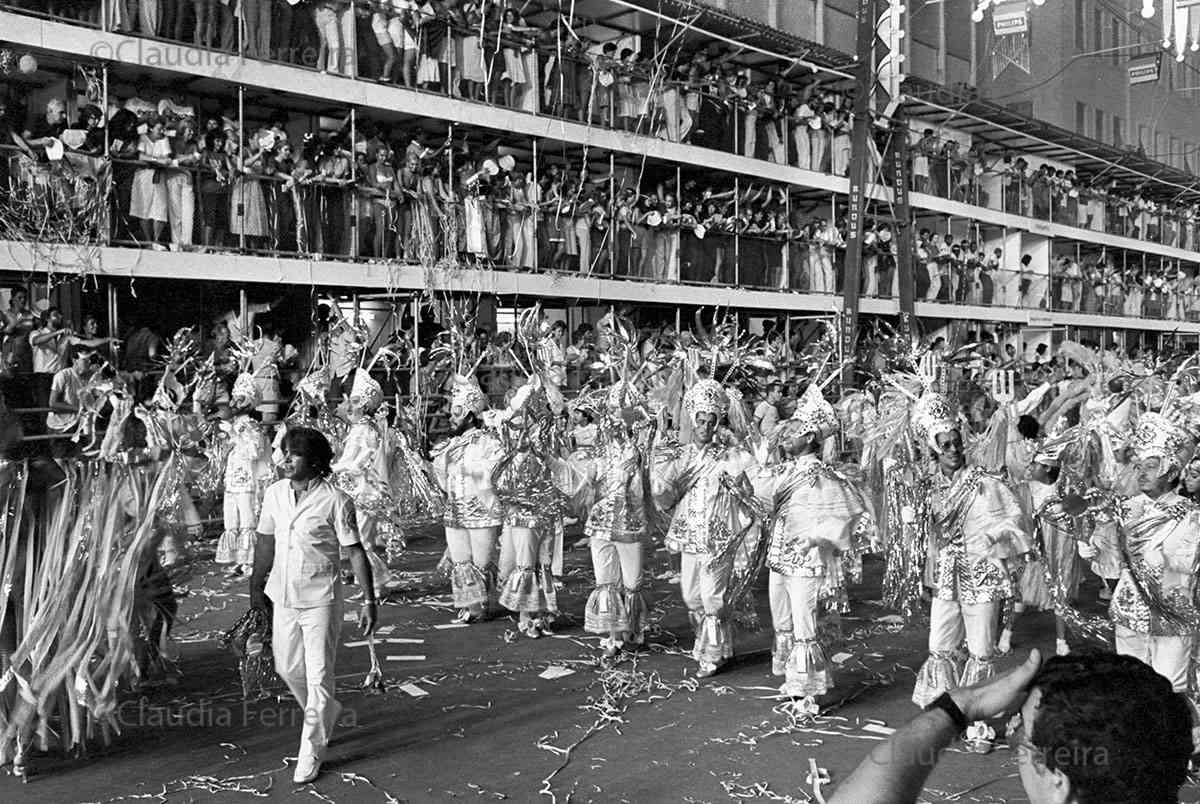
x,y
272,210
507,66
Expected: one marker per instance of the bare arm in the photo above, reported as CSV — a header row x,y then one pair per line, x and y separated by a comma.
x,y
264,557
896,770
362,574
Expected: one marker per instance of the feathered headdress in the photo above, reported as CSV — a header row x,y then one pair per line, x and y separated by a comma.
x,y
366,391
933,415
466,393
814,414
706,396
245,389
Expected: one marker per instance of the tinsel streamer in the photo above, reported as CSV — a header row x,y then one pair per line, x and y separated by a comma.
x,y
1077,515
60,212
736,512
85,603
250,642
908,515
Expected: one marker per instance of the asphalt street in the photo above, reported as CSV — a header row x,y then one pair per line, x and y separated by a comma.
x,y
480,713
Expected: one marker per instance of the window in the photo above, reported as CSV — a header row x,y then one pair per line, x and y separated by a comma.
x,y
1118,131
1079,25
1143,140
1116,40
1024,108
1098,131
1158,145
1098,31
1080,118
1174,155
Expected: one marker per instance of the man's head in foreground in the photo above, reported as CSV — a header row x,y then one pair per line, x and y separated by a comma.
x,y
1099,727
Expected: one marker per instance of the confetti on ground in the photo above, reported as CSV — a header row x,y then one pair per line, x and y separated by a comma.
x,y
409,658
555,671
413,690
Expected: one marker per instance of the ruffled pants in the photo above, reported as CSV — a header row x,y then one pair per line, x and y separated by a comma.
x,y
703,583
236,545
616,604
949,622
526,581
473,569
798,656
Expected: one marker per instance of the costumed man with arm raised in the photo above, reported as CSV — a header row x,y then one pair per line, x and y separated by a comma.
x,y
816,512
1154,606
700,484
977,528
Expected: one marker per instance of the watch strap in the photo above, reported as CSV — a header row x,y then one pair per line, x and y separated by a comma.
x,y
945,703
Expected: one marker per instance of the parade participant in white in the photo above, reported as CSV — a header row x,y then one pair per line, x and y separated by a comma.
x,y
617,524
362,472
1154,607
697,483
816,512
305,522
978,527
247,471
463,466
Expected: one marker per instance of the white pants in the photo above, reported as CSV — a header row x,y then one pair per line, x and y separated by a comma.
x,y
803,146
950,621
305,645
476,545
617,562
794,604
703,584
749,133
1168,655
181,207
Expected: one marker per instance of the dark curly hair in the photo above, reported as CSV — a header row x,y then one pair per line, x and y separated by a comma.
x,y
313,445
1114,727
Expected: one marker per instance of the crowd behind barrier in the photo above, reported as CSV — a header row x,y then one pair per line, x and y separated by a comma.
x,y
487,53
172,179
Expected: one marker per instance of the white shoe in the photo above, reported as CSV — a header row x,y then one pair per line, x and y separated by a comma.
x,y
1005,645
1061,647
307,768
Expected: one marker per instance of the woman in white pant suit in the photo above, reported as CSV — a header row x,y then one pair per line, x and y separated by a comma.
x,y
310,521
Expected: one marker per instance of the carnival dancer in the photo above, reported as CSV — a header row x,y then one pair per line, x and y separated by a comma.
x,y
977,529
361,471
463,465
1056,559
248,470
528,481
417,500
816,512
704,485
1154,607
618,521
305,522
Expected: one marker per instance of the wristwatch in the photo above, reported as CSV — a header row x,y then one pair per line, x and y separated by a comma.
x,y
945,703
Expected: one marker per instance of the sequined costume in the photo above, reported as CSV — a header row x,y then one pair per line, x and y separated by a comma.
x,y
976,527
697,484
616,529
361,472
817,511
1056,553
248,470
463,466
533,510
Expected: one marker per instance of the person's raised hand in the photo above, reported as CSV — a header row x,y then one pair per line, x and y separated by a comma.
x,y
998,696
